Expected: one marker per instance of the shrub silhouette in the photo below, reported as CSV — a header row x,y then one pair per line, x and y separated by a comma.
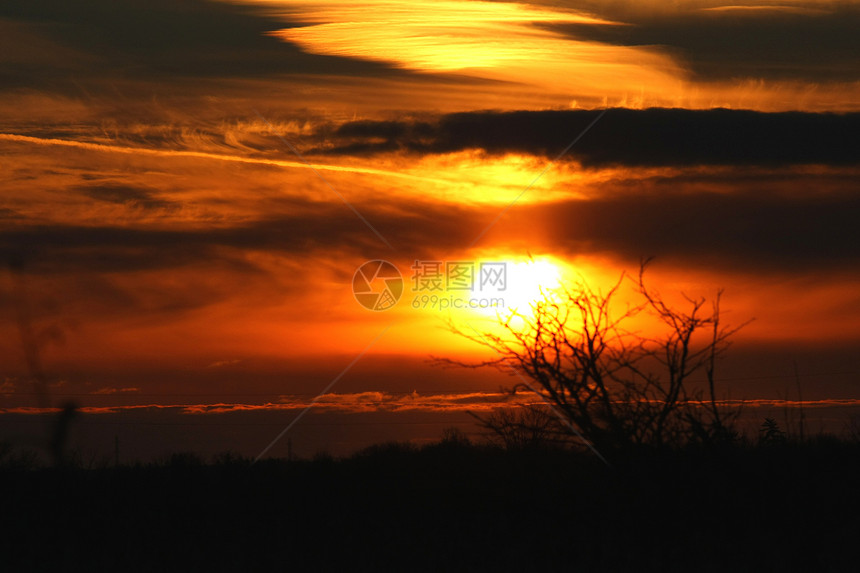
x,y
771,433
527,427
614,387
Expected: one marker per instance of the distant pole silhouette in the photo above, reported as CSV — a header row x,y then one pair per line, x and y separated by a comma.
x,y
799,398
29,339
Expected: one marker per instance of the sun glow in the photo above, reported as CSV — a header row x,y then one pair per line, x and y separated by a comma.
x,y
527,282
531,281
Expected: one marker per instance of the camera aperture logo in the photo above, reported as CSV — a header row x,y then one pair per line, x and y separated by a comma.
x,y
377,285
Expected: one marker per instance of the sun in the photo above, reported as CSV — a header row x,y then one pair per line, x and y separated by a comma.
x,y
527,281
530,281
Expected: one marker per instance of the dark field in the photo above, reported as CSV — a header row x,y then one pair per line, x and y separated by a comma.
x,y
450,506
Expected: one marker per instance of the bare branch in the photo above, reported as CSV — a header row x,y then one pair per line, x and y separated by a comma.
x,y
613,386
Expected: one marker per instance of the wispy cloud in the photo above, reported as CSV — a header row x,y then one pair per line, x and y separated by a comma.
x,y
369,402
124,149
101,391
223,363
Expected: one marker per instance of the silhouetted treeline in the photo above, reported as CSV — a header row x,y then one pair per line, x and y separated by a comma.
x,y
451,506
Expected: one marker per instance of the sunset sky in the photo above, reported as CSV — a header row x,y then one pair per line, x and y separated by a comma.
x,y
188,189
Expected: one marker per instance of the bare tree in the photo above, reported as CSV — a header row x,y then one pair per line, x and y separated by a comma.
x,y
523,427
32,341
617,387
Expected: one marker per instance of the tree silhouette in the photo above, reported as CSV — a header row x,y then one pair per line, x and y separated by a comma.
x,y
771,433
614,387
529,426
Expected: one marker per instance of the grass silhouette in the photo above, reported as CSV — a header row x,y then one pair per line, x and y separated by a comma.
x,y
449,506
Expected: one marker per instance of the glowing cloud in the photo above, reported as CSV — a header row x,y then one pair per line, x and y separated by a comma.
x,y
491,40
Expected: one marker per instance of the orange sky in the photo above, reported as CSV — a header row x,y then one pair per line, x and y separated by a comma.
x,y
186,195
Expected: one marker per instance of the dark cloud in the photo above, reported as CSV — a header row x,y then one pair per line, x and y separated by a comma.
x,y
71,248
649,137
95,46
798,222
741,230
132,196
774,43
151,39
385,129
310,228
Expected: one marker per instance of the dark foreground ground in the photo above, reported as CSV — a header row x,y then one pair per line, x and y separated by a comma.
x,y
446,507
